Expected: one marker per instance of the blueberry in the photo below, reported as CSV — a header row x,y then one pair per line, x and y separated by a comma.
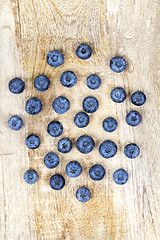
x,y
16,85
133,118
81,119
61,105
31,176
138,98
55,129
83,194
73,169
131,150
55,58
118,94
109,124
51,160
33,106
68,79
84,51
97,172
118,64
64,145
120,176
108,149
57,182
90,104
93,81
41,83
15,122
32,141
85,144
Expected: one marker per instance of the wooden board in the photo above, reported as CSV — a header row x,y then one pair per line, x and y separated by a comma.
x,y
31,28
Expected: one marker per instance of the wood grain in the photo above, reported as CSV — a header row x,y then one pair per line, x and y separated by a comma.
x,y
31,28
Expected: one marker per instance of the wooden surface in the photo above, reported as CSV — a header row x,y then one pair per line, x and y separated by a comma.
x,y
31,28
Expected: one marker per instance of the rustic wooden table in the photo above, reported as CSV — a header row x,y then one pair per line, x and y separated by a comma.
x,y
31,28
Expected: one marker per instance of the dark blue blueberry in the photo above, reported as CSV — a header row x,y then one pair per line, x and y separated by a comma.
x,y
73,169
118,94
68,79
51,160
16,85
108,149
33,106
133,118
61,105
15,122
31,176
57,182
41,83
64,145
84,51
55,58
97,172
109,124
131,150
81,119
90,104
138,98
120,176
83,194
118,64
93,81
55,128
32,141
85,144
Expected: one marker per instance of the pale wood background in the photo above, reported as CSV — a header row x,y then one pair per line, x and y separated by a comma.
x,y
31,28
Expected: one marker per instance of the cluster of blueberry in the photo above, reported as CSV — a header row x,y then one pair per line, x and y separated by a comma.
x,y
85,143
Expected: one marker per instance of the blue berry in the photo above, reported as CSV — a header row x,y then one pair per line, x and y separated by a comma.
x,y
109,124
15,123
85,144
84,51
32,141
120,176
108,149
138,98
83,194
68,79
131,150
118,94
57,182
41,83
118,64
133,118
16,85
51,160
55,58
97,172
55,129
61,105
93,81
73,169
30,176
90,104
81,119
64,145
33,106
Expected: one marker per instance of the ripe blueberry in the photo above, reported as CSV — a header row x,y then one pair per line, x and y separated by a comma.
x,y
131,150
81,119
73,169
15,123
90,104
120,176
32,141
84,51
30,176
64,145
41,83
61,105
85,144
83,194
33,106
93,81
109,124
118,64
118,94
138,98
97,172
133,118
55,58
57,182
51,160
16,85
55,128
68,79
108,149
